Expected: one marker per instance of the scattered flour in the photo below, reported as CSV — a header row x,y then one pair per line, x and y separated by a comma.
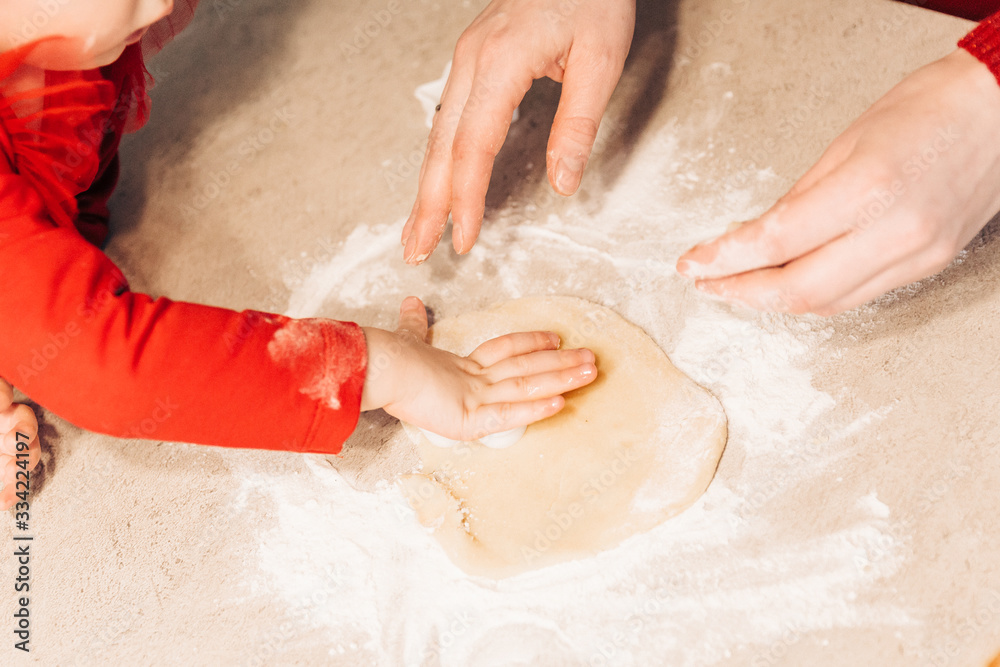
x,y
725,576
429,95
364,264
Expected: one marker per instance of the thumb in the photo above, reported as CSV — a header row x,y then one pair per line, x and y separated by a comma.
x,y
587,87
413,318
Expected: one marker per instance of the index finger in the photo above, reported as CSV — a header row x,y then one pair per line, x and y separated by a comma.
x,y
512,345
427,220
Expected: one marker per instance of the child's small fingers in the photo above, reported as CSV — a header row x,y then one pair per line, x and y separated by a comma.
x,y
494,418
541,385
537,362
20,435
19,415
512,345
6,394
9,446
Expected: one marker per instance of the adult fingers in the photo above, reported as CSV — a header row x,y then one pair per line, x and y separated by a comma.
x,y
537,362
820,278
795,226
413,318
501,81
592,72
540,385
512,345
429,216
925,263
504,416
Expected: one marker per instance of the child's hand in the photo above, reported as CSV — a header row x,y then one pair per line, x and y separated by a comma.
x,y
892,200
506,382
18,433
582,43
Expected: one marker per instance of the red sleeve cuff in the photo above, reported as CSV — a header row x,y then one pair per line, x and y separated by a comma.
x,y
984,43
322,364
335,385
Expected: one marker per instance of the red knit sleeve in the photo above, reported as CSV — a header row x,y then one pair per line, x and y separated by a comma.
x,y
80,343
974,10
984,43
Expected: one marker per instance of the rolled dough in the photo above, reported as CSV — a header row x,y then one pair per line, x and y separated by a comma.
x,y
631,450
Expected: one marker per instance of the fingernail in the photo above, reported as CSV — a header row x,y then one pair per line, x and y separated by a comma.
x,y
554,337
692,268
569,171
410,248
588,371
406,234
459,239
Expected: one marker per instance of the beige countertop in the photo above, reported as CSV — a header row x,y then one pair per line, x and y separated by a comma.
x,y
854,518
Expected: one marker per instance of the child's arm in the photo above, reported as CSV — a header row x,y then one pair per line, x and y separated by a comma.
x,y
114,361
80,343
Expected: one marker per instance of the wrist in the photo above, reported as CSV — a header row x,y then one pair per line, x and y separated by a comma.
x,y
978,83
383,349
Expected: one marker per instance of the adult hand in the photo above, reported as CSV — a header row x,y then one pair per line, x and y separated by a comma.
x,y
581,43
892,200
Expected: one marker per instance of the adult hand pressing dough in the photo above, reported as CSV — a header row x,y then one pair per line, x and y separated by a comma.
x,y
631,450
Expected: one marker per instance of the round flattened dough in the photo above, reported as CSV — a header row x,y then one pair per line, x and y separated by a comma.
x,y
628,452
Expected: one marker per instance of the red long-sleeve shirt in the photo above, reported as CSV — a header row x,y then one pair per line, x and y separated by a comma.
x,y
79,342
